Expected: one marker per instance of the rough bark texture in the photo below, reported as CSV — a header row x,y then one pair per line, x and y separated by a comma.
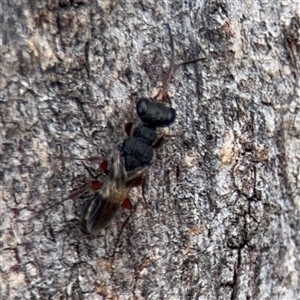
x,y
221,218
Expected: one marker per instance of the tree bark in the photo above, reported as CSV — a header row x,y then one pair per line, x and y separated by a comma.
x,y
220,218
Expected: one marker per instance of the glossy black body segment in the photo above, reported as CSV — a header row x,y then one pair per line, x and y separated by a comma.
x,y
137,150
155,114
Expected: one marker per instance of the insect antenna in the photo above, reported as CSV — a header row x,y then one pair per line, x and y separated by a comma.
x,y
162,93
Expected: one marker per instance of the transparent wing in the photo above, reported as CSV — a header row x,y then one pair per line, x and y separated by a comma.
x,y
97,214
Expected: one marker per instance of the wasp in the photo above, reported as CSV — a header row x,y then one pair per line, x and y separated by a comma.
x,y
133,156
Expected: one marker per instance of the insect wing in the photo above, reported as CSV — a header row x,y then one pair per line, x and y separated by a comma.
x,y
97,214
102,208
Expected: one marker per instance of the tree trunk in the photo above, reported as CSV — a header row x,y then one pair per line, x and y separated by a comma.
x,y
220,218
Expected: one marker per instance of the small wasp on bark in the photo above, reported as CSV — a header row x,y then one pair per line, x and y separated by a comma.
x,y
133,156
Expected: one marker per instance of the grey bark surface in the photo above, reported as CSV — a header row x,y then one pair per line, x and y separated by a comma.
x,y
221,218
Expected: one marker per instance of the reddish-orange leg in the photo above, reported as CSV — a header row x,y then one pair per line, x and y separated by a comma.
x,y
95,185
129,125
128,205
132,210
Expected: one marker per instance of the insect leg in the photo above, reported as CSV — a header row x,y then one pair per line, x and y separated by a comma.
x,y
104,167
129,125
133,209
127,204
158,143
